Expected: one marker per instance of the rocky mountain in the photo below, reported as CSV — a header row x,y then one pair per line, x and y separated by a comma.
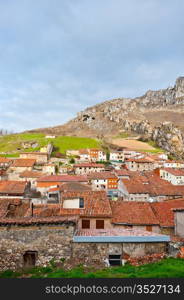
x,y
158,115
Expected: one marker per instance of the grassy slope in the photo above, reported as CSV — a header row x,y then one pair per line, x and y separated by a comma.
x,y
167,268
10,143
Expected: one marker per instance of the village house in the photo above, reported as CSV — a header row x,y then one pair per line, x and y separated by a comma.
x,y
135,215
53,181
164,211
107,181
84,155
79,227
117,156
175,176
39,157
87,168
49,169
173,164
140,164
47,149
31,176
148,187
96,155
5,162
18,166
14,188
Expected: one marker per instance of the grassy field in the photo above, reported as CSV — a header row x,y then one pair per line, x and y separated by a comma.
x,y
166,268
11,143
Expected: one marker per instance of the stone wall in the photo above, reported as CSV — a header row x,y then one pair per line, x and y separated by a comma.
x,y
97,253
50,242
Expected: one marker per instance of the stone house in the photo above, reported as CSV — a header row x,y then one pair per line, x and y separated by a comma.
x,y
28,242
39,157
87,168
114,246
18,166
175,176
30,176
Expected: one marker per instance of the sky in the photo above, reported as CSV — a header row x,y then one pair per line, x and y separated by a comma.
x,y
59,57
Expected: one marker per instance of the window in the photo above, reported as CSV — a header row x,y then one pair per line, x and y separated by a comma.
x,y
85,224
115,260
149,228
99,224
29,258
81,203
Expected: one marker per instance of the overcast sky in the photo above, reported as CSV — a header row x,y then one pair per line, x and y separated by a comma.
x,y
59,57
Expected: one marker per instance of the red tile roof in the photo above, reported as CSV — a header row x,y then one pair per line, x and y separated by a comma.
x,y
4,160
74,186
23,162
102,175
38,220
133,213
96,204
164,211
176,172
89,165
63,178
31,174
12,187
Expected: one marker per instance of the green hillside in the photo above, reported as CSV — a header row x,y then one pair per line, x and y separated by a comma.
x,y
13,144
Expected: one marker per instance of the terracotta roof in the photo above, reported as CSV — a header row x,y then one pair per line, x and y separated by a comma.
x,y
23,162
176,172
139,160
4,160
102,175
74,186
133,213
96,204
164,211
87,165
83,151
38,220
12,187
63,178
122,172
31,174
151,184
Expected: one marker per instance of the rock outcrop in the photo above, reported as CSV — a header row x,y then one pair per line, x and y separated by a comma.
x,y
157,114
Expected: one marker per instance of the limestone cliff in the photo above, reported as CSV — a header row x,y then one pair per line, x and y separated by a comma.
x,y
157,114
